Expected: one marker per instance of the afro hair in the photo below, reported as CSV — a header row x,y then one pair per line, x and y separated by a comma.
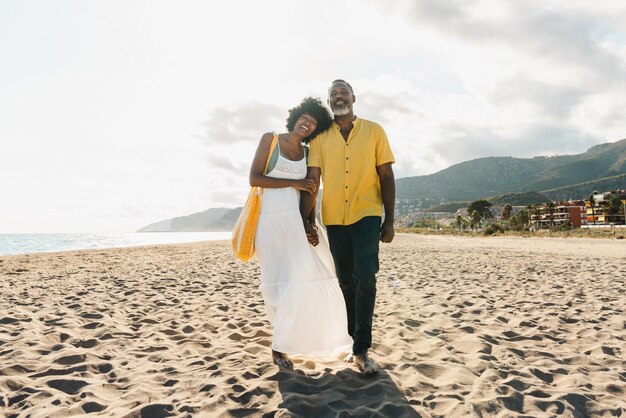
x,y
313,107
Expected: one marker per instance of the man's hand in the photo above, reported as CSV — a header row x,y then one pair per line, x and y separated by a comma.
x,y
311,233
386,231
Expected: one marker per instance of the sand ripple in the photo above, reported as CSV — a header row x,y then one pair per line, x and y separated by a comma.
x,y
464,327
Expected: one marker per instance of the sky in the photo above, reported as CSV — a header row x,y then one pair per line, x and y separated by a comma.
x,y
116,114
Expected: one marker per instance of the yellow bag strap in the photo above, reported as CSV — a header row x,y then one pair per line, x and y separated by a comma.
x,y
267,163
269,156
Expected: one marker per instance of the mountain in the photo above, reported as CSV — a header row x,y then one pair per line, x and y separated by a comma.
x,y
501,180
513,199
484,177
210,220
215,219
582,190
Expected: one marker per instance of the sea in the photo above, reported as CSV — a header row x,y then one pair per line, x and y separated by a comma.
x,y
11,244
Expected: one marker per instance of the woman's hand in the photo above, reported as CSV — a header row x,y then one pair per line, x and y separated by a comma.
x,y
306,185
311,233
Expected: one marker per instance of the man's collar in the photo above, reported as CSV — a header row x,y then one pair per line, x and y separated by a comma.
x,y
354,122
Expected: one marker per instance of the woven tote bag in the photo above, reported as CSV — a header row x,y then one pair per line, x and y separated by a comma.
x,y
245,229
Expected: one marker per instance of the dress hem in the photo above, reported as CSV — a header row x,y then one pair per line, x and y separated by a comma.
x,y
262,285
325,353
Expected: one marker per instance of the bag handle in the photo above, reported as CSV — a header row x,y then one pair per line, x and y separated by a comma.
x,y
272,147
259,190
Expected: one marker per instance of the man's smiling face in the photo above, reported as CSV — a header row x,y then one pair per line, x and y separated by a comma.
x,y
340,98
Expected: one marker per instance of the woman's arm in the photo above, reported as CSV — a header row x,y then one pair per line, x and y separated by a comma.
x,y
307,202
307,207
257,170
312,215
313,195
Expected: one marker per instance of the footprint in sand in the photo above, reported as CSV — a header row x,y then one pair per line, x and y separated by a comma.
x,y
69,386
90,407
69,360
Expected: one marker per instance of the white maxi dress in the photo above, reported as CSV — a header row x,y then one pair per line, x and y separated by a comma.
x,y
302,297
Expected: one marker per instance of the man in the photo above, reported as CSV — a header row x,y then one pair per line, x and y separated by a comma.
x,y
354,160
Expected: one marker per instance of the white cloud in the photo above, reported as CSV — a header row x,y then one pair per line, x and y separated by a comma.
x,y
117,114
529,76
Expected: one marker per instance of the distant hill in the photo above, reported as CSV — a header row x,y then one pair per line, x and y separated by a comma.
x,y
582,190
493,176
501,180
215,219
210,220
513,199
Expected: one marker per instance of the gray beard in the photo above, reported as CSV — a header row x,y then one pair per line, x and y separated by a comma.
x,y
341,111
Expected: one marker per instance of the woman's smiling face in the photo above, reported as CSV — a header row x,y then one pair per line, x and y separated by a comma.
x,y
305,125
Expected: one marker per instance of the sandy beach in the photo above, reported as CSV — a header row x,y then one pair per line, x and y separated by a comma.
x,y
464,327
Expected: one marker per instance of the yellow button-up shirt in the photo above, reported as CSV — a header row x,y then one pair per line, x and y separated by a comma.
x,y
350,180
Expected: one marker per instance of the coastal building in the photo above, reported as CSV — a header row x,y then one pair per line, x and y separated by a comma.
x,y
462,212
407,206
430,219
497,211
570,213
604,211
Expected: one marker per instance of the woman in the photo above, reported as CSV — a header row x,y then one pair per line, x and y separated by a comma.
x,y
302,296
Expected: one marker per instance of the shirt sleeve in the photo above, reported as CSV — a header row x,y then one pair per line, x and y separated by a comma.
x,y
383,150
315,158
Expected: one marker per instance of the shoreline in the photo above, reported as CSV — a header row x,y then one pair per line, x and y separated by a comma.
x,y
579,234
28,243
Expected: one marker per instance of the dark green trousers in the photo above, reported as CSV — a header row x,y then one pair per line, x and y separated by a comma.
x,y
355,252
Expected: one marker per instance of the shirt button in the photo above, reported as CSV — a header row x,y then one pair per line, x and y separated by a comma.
x,y
346,201
346,158
346,187
346,172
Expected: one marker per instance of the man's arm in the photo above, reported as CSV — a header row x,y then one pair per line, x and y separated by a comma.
x,y
307,206
388,191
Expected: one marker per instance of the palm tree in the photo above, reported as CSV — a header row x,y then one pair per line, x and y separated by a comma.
x,y
481,207
506,212
524,217
529,211
592,203
459,222
551,208
536,211
615,208
475,218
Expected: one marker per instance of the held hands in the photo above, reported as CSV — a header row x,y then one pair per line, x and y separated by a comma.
x,y
306,185
311,233
386,232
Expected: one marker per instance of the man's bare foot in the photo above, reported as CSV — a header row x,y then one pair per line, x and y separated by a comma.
x,y
281,359
366,365
349,358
